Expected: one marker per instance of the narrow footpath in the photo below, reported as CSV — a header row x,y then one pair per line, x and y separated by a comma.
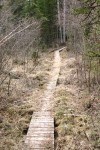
x,y
40,135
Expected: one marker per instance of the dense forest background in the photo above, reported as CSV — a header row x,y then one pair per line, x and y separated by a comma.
x,y
30,29
51,24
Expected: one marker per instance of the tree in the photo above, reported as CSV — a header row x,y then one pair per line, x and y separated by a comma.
x,y
61,10
41,9
91,11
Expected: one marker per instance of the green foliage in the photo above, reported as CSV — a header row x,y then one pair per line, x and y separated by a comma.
x,y
48,28
41,9
32,8
93,53
91,11
1,7
17,7
82,10
35,55
88,29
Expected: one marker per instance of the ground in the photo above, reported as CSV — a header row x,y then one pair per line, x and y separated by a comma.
x,y
17,108
76,117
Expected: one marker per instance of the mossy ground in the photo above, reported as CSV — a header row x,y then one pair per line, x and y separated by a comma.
x,y
76,114
16,109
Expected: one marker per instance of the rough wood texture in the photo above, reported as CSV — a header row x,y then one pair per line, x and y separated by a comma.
x,y
40,135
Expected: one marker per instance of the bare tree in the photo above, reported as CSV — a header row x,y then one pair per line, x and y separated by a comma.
x,y
59,22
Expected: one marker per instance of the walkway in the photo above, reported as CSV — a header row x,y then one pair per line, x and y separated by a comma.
x,y
40,135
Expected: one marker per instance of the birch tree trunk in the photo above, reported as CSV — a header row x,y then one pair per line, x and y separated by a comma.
x,y
64,22
59,21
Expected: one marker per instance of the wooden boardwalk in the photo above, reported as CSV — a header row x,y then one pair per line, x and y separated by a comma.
x,y
40,135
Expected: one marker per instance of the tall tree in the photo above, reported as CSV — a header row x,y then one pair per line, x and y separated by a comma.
x,y
61,9
64,22
41,9
59,22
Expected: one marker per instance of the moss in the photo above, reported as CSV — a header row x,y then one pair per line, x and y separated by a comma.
x,y
59,113
12,110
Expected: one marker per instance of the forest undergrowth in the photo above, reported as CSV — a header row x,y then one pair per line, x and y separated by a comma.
x,y
17,107
77,115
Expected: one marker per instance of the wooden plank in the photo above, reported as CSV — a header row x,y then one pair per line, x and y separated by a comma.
x,y
41,141
43,113
41,125
43,134
31,138
41,130
41,121
57,49
43,117
42,148
40,144
37,148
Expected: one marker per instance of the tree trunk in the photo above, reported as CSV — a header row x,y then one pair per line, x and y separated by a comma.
x,y
64,22
59,22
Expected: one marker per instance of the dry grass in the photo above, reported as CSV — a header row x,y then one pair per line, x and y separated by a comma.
x,y
76,115
16,109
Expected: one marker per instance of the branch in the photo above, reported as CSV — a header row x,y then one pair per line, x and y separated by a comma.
x,y
17,33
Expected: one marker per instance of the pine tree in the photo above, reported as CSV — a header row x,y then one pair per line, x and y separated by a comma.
x,y
41,9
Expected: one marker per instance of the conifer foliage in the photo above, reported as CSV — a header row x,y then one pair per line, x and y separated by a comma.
x,y
41,9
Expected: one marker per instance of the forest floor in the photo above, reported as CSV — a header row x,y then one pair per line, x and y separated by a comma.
x,y
76,117
25,91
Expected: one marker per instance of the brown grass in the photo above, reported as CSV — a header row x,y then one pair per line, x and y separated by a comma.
x,y
16,109
76,114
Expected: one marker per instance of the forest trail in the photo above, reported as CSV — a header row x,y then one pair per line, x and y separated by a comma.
x,y
41,129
